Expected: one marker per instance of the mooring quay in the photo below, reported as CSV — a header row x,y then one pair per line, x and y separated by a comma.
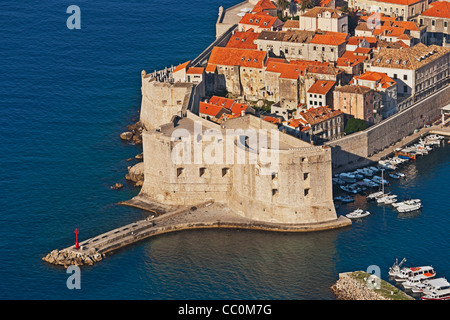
x,y
163,220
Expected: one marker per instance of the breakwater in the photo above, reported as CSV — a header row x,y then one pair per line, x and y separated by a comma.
x,y
357,286
164,220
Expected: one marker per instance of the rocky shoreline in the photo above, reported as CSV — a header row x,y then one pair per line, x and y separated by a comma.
x,y
69,257
353,286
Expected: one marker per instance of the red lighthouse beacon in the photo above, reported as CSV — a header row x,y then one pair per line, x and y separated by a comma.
x,y
77,245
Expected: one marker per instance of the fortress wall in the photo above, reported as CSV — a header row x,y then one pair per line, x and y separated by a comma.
x,y
162,100
404,123
355,148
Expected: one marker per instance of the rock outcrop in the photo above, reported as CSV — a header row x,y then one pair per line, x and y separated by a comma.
x,y
136,174
70,257
134,133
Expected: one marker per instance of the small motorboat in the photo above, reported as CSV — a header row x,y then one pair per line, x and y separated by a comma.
x,y
427,286
358,213
407,273
375,195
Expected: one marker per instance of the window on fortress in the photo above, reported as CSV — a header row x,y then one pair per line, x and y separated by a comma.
x,y
274,192
180,172
306,192
305,175
225,171
274,175
202,172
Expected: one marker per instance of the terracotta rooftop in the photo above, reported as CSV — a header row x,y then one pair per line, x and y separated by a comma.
x,y
388,31
317,115
181,66
195,70
378,77
263,5
211,109
291,24
440,9
357,89
410,58
321,87
230,104
243,40
237,57
334,13
327,39
260,20
401,2
286,70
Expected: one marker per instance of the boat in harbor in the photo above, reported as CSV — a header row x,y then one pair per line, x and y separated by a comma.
x,y
387,199
375,195
407,273
408,207
393,175
358,213
350,188
347,199
407,202
428,286
437,295
413,281
395,269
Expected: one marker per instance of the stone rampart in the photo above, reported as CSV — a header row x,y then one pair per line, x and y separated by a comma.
x,y
355,148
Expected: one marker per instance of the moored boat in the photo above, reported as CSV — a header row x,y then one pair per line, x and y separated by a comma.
x,y
406,273
358,213
437,295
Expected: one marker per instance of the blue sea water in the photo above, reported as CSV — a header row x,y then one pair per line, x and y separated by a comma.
x,y
66,95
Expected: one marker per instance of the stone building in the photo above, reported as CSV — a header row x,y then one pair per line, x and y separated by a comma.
x,y
359,102
259,22
383,84
402,9
417,70
325,19
320,94
437,20
238,71
284,180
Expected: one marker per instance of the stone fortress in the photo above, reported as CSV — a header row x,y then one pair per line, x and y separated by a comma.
x,y
288,181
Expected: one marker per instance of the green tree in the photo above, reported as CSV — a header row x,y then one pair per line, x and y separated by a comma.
x,y
355,125
307,4
282,5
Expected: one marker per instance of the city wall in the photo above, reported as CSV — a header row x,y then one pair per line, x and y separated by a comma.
x,y
355,148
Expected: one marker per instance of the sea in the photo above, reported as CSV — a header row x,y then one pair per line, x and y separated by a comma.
x,y
67,94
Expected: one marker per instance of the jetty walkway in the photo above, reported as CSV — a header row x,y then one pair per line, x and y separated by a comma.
x,y
170,219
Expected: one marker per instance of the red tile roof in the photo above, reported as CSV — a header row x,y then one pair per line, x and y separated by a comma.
x,y
181,66
210,68
230,104
321,86
264,5
260,20
378,77
243,40
237,57
209,109
316,115
327,39
195,70
439,9
286,70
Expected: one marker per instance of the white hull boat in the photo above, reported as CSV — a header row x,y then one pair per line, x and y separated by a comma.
x,y
358,213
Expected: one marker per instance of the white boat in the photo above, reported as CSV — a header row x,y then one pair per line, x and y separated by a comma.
x,y
437,295
435,137
395,269
348,177
413,281
358,213
387,198
394,175
407,202
409,207
428,286
375,195
407,273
